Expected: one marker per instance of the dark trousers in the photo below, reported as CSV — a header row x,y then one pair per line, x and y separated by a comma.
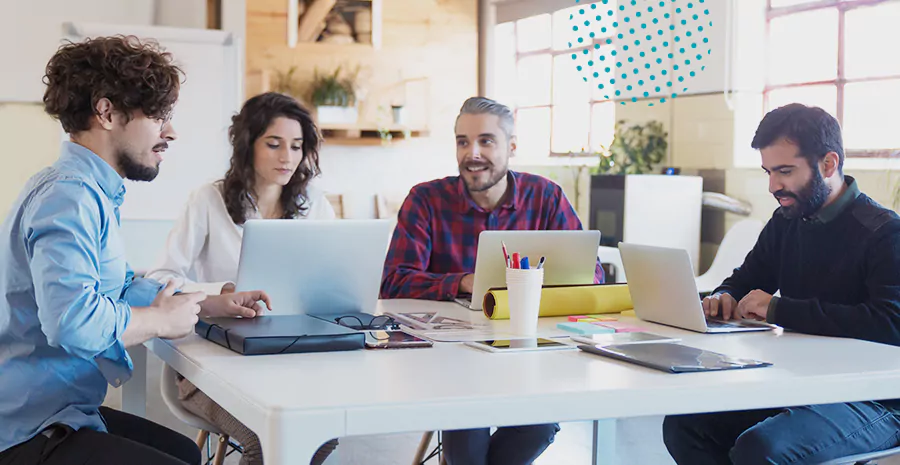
x,y
131,441
514,445
796,435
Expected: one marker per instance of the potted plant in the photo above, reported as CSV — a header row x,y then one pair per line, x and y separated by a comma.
x,y
334,97
636,149
287,83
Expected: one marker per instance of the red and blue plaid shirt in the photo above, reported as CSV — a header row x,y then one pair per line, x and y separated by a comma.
x,y
436,238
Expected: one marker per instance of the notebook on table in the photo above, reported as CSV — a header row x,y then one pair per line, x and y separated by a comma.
x,y
673,358
279,334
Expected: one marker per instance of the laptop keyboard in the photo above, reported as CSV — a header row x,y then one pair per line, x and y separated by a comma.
x,y
715,323
719,323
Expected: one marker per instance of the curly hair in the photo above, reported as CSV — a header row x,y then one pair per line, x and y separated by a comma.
x,y
132,74
248,126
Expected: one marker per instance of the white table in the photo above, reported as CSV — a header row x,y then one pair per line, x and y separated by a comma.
x,y
296,402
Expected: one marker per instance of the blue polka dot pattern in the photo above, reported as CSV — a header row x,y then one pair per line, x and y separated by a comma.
x,y
656,37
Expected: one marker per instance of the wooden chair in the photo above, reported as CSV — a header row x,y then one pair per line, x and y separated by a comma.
x,y
422,452
388,205
169,390
337,203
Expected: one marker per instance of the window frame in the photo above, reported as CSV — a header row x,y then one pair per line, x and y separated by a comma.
x,y
840,81
553,53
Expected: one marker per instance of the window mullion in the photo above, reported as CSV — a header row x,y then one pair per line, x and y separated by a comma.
x,y
841,61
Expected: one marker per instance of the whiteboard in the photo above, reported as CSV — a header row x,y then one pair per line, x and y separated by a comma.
x,y
29,32
209,97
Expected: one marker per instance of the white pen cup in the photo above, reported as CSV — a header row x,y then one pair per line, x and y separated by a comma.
x,y
524,289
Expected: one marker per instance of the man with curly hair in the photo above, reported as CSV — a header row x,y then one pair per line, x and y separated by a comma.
x,y
71,304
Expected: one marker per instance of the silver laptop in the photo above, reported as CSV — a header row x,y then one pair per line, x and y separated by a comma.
x,y
315,266
571,258
662,286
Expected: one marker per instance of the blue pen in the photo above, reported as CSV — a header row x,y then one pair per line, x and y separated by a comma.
x,y
525,263
541,263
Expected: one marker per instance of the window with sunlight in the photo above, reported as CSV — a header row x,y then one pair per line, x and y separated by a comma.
x,y
841,56
557,111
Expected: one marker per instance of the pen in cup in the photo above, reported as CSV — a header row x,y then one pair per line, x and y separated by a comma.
x,y
541,264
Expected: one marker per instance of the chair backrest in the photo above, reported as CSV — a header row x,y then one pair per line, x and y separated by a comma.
x,y
337,203
612,256
168,386
735,246
387,205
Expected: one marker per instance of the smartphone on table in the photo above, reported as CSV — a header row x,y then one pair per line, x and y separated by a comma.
x,y
394,340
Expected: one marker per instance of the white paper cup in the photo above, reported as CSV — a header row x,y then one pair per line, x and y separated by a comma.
x,y
524,288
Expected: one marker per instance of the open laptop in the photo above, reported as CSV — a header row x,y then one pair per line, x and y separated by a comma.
x,y
571,258
321,267
662,286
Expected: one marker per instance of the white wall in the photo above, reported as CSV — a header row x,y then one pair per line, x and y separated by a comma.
x,y
30,31
180,13
359,173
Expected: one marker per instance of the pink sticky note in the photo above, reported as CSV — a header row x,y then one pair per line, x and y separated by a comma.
x,y
620,327
574,318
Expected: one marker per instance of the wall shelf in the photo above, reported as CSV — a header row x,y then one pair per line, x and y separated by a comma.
x,y
338,134
306,22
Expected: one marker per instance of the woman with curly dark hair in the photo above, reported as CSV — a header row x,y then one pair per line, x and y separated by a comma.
x,y
69,304
275,156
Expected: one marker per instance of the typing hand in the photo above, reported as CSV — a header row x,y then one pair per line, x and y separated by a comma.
x,y
228,288
175,315
242,304
755,305
467,284
721,305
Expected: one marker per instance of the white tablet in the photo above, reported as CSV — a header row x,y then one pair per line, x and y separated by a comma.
x,y
623,338
518,345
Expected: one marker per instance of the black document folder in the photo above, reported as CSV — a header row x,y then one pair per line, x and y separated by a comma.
x,y
279,334
673,358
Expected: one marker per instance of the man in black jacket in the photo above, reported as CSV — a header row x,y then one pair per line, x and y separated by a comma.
x,y
834,254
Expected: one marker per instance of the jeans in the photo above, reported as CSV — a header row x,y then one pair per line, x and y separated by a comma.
x,y
796,435
514,445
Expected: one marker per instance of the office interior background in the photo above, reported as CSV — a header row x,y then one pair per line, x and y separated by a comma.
x,y
411,64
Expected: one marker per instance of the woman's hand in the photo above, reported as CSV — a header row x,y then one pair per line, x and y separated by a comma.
x,y
238,304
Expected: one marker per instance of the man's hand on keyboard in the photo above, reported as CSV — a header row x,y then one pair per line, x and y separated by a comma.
x,y
755,305
722,306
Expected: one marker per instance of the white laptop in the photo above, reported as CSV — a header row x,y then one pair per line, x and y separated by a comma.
x,y
571,258
662,286
315,266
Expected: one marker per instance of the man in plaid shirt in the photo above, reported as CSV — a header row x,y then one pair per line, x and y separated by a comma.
x,y
432,254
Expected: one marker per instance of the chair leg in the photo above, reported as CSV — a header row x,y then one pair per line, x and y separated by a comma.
x,y
201,438
423,447
441,450
221,450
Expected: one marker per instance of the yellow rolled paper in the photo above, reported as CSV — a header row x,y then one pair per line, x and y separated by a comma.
x,y
562,300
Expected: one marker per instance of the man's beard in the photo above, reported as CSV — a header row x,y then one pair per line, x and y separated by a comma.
x,y
136,171
492,181
809,200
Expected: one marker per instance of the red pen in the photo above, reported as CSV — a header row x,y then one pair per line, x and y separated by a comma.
x,y
515,260
505,254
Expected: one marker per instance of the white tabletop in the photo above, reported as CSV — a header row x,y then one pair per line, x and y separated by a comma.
x,y
451,386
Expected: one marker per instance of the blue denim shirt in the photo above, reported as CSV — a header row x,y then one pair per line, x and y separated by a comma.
x,y
67,293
